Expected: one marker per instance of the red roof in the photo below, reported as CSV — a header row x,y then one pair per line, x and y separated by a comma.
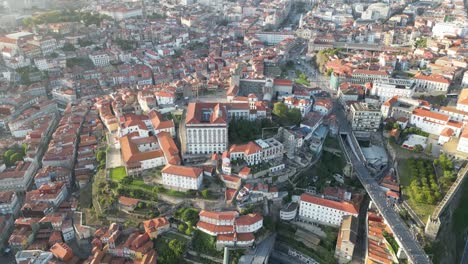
x,y
192,172
282,82
249,219
447,132
426,113
227,215
215,228
127,201
342,206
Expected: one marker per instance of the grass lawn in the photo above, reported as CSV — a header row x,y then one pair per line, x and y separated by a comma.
x,y
117,174
421,209
303,82
175,236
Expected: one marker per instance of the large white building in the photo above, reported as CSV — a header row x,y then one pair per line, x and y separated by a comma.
x,y
433,83
324,211
206,124
364,117
229,228
273,38
434,122
442,29
100,59
376,11
182,178
386,89
206,128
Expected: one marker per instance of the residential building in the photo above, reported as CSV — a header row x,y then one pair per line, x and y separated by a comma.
x,y
127,204
364,117
100,59
434,83
9,203
463,142
462,103
53,193
324,211
160,125
182,178
156,226
18,178
304,105
141,153
257,151
292,140
392,87
229,228
347,238
62,251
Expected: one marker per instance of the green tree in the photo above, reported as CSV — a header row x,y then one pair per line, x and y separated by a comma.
x,y
205,194
295,116
189,230
181,228
100,155
126,180
190,216
280,109
177,247
68,47
16,157
418,148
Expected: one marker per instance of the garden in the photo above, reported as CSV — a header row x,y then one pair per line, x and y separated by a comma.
x,y
14,154
171,248
424,182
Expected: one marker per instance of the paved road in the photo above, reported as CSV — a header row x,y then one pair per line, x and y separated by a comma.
x,y
264,249
409,244
411,247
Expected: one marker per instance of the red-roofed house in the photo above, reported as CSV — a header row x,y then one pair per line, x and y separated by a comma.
x,y
324,211
432,83
463,143
182,178
127,203
156,226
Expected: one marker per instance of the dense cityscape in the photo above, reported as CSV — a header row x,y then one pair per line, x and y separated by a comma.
x,y
233,131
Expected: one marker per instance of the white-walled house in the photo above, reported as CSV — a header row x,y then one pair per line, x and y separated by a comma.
x,y
324,211
182,178
463,142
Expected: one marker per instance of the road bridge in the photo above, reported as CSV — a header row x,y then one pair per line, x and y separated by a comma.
x,y
411,248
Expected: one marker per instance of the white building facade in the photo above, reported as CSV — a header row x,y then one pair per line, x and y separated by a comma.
x,y
328,212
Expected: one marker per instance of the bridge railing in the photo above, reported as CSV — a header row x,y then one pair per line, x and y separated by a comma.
x,y
451,192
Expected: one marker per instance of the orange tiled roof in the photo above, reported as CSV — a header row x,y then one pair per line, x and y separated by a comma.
x,y
342,206
192,172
